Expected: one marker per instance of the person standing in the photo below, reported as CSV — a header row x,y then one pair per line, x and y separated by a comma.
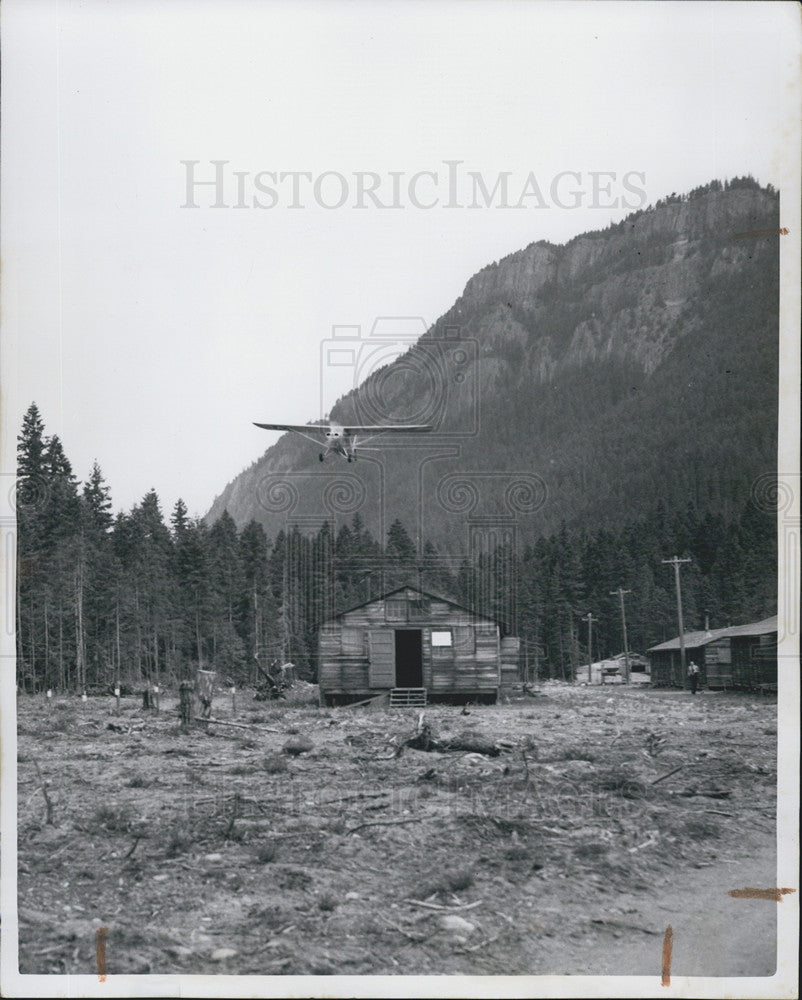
x,y
693,674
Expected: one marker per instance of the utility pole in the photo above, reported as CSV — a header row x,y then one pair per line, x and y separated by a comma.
x,y
621,593
590,620
675,562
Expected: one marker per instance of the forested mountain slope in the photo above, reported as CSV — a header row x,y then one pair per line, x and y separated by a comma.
x,y
631,365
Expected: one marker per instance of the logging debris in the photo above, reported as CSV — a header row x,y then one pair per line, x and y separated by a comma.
x,y
424,739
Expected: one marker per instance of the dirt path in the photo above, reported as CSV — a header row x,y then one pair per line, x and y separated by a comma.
x,y
714,934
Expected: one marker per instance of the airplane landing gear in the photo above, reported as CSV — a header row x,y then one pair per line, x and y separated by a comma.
x,y
320,457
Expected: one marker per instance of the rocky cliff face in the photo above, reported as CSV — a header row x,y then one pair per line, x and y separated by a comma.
x,y
575,369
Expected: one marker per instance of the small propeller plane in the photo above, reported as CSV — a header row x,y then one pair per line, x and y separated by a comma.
x,y
341,439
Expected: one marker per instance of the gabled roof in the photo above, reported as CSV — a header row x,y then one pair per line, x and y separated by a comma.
x,y
694,640
418,590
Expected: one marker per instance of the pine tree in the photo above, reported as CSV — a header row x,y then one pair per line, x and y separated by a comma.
x,y
97,500
100,572
179,520
31,444
33,595
150,563
399,545
258,612
399,556
227,583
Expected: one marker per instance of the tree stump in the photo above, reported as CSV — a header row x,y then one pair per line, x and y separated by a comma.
x,y
185,692
204,692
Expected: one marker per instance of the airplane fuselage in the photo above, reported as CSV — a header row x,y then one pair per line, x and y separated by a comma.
x,y
339,442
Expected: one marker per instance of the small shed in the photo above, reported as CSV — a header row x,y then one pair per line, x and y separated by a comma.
x,y
741,656
415,646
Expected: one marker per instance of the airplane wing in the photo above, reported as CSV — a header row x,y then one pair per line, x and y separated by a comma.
x,y
310,431
385,428
300,428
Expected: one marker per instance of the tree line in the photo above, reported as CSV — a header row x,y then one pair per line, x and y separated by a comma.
x,y
129,599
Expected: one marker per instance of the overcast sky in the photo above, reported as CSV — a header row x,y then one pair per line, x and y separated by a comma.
x,y
152,333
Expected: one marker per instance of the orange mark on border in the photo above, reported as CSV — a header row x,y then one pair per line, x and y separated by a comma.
x,y
773,895
761,232
100,952
668,947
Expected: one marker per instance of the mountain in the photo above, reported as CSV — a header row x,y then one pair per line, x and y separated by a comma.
x,y
578,384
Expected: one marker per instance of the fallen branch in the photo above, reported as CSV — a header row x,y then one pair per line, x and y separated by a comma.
x,y
624,925
708,793
358,795
238,725
417,938
234,814
369,701
385,822
668,774
651,842
48,800
423,739
482,944
133,847
439,906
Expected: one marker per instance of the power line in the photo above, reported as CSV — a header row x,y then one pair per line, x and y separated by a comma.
x,y
590,620
621,593
675,561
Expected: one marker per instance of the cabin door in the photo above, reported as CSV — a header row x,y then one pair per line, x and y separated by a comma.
x,y
408,658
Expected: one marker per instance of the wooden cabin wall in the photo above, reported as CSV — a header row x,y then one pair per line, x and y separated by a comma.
x,y
466,666
470,664
666,666
754,660
718,664
510,660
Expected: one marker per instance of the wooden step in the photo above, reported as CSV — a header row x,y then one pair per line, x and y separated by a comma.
x,y
408,698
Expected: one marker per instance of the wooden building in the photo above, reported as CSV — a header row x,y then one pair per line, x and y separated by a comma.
x,y
753,655
415,647
742,656
666,661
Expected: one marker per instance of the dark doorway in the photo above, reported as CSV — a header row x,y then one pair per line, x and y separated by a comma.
x,y
408,658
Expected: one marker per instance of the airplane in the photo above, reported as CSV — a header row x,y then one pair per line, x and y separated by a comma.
x,y
342,439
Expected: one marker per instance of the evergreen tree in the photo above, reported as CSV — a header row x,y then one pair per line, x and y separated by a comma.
x,y
400,546
97,501
227,584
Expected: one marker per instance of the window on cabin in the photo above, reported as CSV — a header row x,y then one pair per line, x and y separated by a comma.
x,y
465,640
419,608
396,609
441,639
353,640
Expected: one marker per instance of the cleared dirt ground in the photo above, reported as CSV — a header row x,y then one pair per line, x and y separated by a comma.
x,y
302,845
